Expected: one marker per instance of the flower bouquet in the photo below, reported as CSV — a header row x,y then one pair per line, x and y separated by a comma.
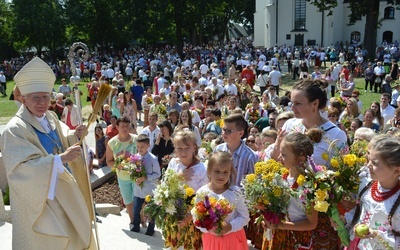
x,y
149,100
132,164
187,97
166,159
346,121
161,110
215,93
219,123
171,202
205,150
267,192
254,115
359,148
210,213
325,189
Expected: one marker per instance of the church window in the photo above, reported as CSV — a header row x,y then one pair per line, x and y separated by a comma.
x,y
389,13
300,15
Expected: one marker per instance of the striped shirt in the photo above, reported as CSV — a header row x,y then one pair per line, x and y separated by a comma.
x,y
244,160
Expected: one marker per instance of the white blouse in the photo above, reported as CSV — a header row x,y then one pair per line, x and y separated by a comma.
x,y
199,177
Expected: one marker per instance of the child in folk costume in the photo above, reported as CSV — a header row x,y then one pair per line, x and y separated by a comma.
x,y
295,148
183,234
221,174
378,210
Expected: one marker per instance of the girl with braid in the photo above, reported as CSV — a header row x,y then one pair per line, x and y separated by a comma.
x,y
378,209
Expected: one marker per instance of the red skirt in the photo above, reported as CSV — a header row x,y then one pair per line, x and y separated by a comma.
x,y
232,241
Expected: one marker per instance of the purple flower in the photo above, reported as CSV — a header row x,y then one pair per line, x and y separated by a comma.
x,y
134,158
207,202
312,163
213,216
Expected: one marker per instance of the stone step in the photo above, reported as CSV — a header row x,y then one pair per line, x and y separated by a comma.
x,y
104,209
5,235
100,176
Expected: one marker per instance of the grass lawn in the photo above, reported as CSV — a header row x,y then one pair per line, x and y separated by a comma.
x,y
8,108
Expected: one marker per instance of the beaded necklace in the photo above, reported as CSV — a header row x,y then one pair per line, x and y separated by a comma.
x,y
379,196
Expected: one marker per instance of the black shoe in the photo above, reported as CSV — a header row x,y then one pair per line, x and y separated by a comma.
x,y
135,229
149,233
98,220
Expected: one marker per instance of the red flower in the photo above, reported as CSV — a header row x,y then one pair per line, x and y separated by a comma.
x,y
271,217
208,224
200,207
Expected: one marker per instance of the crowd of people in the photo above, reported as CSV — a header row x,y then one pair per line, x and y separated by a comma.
x,y
203,119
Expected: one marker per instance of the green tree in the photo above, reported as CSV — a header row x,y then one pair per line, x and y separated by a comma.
x,y
91,22
368,8
38,23
6,43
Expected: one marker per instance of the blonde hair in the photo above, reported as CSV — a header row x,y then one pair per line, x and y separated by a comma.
x,y
284,116
188,138
355,112
222,158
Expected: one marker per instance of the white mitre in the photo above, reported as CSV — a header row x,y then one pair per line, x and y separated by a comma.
x,y
35,76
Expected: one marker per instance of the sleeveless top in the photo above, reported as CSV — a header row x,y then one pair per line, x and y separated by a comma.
x,y
117,146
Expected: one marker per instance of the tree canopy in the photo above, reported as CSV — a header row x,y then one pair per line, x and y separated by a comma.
x,y
55,24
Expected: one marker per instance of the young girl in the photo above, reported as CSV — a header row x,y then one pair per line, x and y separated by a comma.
x,y
114,104
128,108
106,114
379,198
294,150
183,233
222,177
186,119
100,146
342,83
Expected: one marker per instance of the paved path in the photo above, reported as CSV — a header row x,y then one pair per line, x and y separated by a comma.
x,y
114,234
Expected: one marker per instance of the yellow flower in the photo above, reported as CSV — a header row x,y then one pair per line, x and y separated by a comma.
x,y
321,206
284,171
325,156
269,177
350,159
321,195
362,160
213,200
219,123
192,201
147,199
259,168
334,163
250,178
301,179
277,191
189,192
